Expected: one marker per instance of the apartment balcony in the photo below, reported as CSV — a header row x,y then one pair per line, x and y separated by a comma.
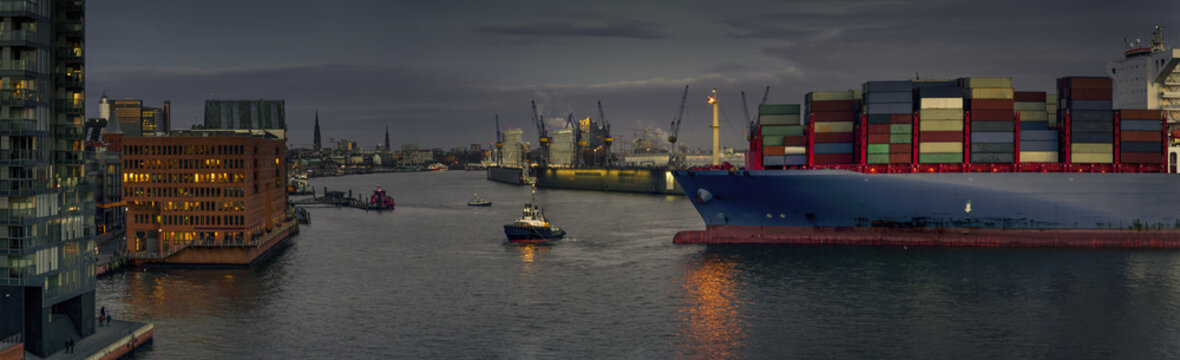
x,y
21,38
24,127
26,8
15,276
24,98
70,107
70,30
21,68
68,53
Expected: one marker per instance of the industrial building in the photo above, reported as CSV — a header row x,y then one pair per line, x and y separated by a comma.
x,y
247,114
47,251
205,196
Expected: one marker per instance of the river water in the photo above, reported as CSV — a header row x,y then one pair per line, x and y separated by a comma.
x,y
436,279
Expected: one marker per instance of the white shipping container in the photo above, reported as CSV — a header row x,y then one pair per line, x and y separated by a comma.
x,y
941,103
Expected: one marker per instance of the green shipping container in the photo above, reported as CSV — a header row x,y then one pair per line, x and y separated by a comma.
x,y
772,140
940,114
940,125
878,149
779,109
1033,115
940,158
1091,158
940,147
1086,148
901,129
1028,106
787,130
901,138
877,158
832,95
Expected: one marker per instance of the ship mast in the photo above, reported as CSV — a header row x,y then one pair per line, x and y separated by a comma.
x,y
716,130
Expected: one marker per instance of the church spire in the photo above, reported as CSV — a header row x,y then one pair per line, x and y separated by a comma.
x,y
387,138
317,130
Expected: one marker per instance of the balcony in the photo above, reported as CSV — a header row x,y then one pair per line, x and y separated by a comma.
x,y
13,276
70,107
16,97
26,8
21,38
27,127
70,81
15,157
68,53
71,30
17,67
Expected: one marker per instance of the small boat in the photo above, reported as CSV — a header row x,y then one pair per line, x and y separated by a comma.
x,y
437,167
532,227
380,200
478,201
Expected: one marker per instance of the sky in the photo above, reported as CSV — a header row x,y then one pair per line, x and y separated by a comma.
x,y
437,73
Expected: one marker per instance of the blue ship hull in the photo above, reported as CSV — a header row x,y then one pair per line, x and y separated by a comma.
x,y
958,209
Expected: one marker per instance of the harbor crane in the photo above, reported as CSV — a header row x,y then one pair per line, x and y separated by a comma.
x,y
675,160
607,140
543,133
569,121
499,142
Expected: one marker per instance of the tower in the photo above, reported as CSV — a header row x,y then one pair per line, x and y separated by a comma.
x,y
318,144
387,138
47,283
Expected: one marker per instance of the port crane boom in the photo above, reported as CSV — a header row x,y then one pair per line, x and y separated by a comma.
x,y
607,140
499,142
673,159
543,133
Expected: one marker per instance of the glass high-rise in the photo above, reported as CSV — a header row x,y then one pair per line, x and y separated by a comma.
x,y
47,251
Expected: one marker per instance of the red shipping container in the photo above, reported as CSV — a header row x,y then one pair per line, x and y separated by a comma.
x,y
828,159
900,158
901,118
940,136
992,115
1141,158
1090,94
1128,135
1085,82
900,148
879,129
878,138
833,105
991,104
795,140
1130,114
833,137
833,116
774,150
1029,96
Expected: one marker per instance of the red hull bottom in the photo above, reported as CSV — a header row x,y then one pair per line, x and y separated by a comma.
x,y
736,234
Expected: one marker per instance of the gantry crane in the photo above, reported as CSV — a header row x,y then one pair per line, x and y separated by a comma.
x,y
543,133
675,160
499,143
607,140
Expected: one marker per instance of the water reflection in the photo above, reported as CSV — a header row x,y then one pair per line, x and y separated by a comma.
x,y
177,293
710,314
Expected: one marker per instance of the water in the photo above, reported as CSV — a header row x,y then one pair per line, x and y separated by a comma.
x,y
436,279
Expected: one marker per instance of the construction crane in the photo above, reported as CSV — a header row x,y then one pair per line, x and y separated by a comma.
x,y
606,138
675,160
543,133
499,143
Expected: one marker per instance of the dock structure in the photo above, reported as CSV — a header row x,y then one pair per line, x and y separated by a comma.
x,y
115,339
340,199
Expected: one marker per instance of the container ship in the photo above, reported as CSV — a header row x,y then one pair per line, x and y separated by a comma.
x,y
965,162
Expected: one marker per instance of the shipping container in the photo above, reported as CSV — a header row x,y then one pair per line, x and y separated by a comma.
x,y
940,125
837,106
887,86
1091,115
1141,147
832,148
878,138
1034,135
940,103
907,118
1088,94
988,93
1028,106
940,147
1033,115
940,136
993,126
940,114
1136,114
1029,96
1085,82
795,140
1092,137
901,129
1075,104
877,148
902,138
1140,125
991,137
1038,156
772,140
992,148
794,150
836,137
889,108
831,95
873,158
1038,145
832,127
833,116
768,119
940,158
1141,158
991,158
900,148
939,92
828,159
992,115
1155,136
990,104
788,130
1092,126
900,158
1091,158
1085,148
888,97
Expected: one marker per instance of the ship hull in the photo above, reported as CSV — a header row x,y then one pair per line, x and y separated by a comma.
x,y
522,234
934,209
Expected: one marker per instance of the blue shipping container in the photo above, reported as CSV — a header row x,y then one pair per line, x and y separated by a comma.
x,y
1038,145
1090,105
992,137
889,108
1141,125
1037,135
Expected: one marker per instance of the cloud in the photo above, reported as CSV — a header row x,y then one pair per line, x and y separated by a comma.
x,y
594,25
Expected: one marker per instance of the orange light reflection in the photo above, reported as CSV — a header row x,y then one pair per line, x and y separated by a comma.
x,y
713,328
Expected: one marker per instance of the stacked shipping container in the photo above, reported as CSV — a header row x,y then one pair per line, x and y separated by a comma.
x,y
888,118
832,118
1141,136
940,124
1086,103
783,142
1038,142
992,131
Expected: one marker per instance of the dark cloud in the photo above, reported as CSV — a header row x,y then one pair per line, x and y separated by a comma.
x,y
579,25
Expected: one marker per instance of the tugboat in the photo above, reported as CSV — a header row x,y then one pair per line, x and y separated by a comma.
x,y
478,201
532,227
380,200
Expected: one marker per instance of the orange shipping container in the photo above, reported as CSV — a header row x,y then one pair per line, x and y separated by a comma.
x,y
1154,136
900,158
900,148
1127,114
774,150
878,138
901,118
795,140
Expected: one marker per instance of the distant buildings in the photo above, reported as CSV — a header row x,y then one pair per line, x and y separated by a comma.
x,y
47,249
205,196
135,120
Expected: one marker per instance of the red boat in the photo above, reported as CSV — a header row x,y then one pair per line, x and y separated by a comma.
x,y
380,200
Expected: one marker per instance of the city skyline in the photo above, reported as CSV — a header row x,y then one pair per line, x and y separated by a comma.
x,y
437,76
